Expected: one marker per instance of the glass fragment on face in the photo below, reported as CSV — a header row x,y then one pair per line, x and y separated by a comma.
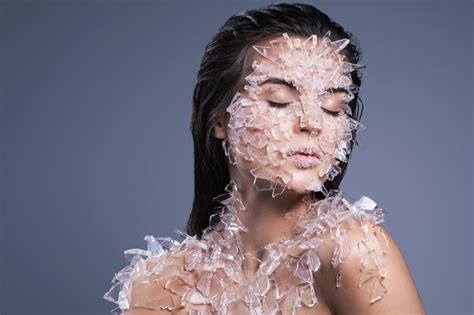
x,y
294,113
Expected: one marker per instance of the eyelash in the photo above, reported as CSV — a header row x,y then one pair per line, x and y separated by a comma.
x,y
280,105
330,112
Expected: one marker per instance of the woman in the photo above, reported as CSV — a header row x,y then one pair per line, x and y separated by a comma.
x,y
275,117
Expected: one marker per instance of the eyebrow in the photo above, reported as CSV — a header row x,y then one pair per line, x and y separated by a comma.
x,y
278,81
337,90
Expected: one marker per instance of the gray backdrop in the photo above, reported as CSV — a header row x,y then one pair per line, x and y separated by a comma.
x,y
97,152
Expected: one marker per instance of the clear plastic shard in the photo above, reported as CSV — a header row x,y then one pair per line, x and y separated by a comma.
x,y
214,275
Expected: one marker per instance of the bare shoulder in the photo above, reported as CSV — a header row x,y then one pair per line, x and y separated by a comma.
x,y
154,290
374,277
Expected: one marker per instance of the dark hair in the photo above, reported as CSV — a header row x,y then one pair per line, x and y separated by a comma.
x,y
220,75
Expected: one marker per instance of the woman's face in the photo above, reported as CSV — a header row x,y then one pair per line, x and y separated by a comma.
x,y
290,126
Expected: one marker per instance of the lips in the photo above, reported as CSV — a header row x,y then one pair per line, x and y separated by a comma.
x,y
304,157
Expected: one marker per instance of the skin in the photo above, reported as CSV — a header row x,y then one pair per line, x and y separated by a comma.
x,y
265,210
401,297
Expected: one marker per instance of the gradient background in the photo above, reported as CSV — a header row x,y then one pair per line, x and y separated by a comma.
x,y
97,152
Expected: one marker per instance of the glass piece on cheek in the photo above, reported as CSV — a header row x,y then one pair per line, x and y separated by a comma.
x,y
275,156
342,151
333,172
256,139
243,152
229,152
325,165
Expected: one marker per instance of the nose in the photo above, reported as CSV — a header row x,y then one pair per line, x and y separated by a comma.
x,y
308,124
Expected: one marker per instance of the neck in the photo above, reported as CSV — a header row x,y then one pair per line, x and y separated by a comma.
x,y
264,217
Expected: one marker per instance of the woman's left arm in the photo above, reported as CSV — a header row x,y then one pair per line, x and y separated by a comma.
x,y
401,295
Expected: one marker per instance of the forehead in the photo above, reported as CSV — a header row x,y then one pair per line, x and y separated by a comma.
x,y
311,64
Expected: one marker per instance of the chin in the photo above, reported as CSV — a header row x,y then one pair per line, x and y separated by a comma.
x,y
305,183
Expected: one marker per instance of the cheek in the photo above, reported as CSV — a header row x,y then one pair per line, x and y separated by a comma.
x,y
332,133
262,138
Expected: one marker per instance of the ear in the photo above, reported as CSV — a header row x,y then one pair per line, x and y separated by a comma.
x,y
220,131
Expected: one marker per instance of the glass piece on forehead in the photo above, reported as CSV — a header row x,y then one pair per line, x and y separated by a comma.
x,y
255,79
234,103
313,40
257,66
297,43
253,91
347,67
288,40
262,50
277,45
340,44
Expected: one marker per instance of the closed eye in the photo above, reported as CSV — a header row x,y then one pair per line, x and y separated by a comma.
x,y
330,112
278,105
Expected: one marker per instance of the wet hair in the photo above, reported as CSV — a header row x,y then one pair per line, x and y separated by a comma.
x,y
225,61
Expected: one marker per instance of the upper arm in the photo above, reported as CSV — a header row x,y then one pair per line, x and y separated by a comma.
x,y
395,285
